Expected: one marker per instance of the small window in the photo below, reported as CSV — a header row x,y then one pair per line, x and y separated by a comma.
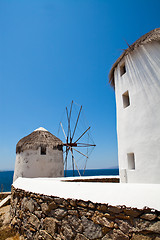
x,y
126,100
43,150
122,69
131,161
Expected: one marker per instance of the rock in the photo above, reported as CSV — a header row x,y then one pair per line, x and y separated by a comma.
x,y
45,235
67,230
24,203
124,225
108,236
21,237
44,207
28,234
149,216
14,221
30,205
58,200
7,218
32,229
132,212
102,207
99,218
122,216
34,221
73,203
83,213
50,225
117,209
52,205
5,215
140,225
119,235
38,213
89,214
91,230
91,205
81,237
82,204
116,226
109,216
75,223
140,237
73,212
59,213
155,227
57,237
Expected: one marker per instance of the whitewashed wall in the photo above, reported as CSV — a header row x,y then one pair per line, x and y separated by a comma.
x,y
138,125
32,164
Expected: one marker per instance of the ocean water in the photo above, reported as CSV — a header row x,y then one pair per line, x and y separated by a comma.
x,y
6,177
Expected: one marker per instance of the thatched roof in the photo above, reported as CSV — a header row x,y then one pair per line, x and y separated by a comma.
x,y
39,138
153,35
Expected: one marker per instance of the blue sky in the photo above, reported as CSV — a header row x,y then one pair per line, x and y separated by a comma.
x,y
53,51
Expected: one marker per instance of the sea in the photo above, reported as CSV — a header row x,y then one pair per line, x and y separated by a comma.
x,y
6,177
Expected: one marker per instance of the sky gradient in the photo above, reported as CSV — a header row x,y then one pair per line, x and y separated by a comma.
x,y
55,51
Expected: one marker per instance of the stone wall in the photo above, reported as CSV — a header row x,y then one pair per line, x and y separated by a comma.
x,y
44,217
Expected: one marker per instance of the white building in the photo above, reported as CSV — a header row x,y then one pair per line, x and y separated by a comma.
x,y
136,79
40,154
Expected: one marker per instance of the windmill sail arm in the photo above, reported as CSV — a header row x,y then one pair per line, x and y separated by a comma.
x,y
77,151
82,134
63,131
69,119
76,122
75,162
85,145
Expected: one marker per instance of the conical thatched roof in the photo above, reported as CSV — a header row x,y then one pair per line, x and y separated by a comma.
x,y
153,35
39,138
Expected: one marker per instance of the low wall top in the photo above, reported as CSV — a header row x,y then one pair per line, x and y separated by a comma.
x,y
130,195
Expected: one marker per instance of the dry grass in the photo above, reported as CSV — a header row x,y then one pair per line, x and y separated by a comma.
x,y
7,232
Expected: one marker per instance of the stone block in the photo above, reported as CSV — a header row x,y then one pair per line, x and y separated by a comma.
x,y
67,230
45,235
124,225
75,223
50,225
117,209
59,213
82,204
132,212
91,205
73,212
91,230
44,208
140,237
52,205
73,203
119,235
149,216
102,207
155,227
81,237
34,221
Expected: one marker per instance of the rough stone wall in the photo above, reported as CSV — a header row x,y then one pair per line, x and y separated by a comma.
x,y
44,217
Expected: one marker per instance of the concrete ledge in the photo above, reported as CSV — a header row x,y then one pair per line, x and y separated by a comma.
x,y
130,195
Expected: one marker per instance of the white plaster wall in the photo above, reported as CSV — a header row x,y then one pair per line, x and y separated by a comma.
x,y
31,164
138,125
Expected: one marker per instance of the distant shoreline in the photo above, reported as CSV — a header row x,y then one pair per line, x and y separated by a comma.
x,y
6,177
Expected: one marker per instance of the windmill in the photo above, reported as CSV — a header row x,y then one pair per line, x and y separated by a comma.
x,y
77,139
